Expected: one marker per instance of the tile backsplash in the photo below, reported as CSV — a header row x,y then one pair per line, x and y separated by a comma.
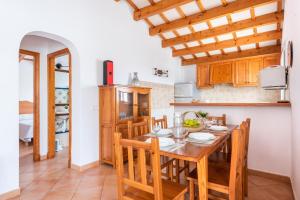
x,y
162,96
227,93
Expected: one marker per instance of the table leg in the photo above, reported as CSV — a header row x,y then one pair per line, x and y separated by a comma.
x,y
202,171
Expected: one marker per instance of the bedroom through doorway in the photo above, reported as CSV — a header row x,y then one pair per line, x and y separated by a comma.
x,y
29,112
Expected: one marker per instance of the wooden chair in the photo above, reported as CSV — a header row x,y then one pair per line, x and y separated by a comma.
x,y
163,123
177,166
226,180
142,128
137,128
221,119
222,159
136,184
245,168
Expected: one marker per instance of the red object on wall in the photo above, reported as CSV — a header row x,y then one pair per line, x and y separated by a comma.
x,y
108,72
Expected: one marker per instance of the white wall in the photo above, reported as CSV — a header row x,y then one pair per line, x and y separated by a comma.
x,y
26,80
94,31
270,134
291,31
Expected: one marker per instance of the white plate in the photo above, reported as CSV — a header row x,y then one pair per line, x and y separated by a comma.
x,y
218,128
164,132
202,136
163,142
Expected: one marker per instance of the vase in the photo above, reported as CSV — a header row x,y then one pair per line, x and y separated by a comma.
x,y
135,80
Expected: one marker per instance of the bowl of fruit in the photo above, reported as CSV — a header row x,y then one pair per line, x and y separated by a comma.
x,y
191,123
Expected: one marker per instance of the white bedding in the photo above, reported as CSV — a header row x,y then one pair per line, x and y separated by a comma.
x,y
26,127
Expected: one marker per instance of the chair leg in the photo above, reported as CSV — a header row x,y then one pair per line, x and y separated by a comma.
x,y
246,180
170,171
192,190
187,168
177,168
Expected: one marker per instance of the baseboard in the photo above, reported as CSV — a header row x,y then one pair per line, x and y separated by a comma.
x,y
294,192
10,194
276,177
85,167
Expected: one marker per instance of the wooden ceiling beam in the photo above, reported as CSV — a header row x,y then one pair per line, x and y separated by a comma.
x,y
213,13
261,37
233,27
158,8
234,56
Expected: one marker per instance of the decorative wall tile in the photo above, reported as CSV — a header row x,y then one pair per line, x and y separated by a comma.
x,y
227,93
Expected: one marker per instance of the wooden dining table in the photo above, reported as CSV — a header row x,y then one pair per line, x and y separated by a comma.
x,y
198,153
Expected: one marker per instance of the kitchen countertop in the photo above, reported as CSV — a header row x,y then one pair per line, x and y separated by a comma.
x,y
264,104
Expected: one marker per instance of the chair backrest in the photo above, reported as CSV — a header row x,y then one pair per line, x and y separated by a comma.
x,y
237,162
248,123
138,178
219,118
138,128
163,123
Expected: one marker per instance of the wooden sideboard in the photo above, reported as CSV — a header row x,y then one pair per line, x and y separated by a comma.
x,y
117,105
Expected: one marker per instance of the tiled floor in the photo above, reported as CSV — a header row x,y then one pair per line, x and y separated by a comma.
x,y
53,180
25,149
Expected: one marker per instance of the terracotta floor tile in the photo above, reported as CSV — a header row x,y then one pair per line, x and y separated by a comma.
x,y
92,193
52,180
59,195
261,181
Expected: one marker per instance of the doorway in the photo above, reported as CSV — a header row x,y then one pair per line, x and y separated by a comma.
x,y
59,103
29,103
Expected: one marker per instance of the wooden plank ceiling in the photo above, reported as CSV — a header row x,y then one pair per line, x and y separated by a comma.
x,y
204,31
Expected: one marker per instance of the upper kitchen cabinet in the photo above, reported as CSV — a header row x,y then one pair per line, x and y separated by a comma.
x,y
271,60
246,72
221,73
240,73
254,67
203,76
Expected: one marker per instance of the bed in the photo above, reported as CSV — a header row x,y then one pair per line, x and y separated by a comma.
x,y
25,121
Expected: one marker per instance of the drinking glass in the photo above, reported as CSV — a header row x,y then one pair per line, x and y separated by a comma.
x,y
156,129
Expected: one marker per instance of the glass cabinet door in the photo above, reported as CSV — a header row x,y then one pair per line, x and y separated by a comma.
x,y
125,104
143,105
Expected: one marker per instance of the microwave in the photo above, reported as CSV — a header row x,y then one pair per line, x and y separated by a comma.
x,y
274,78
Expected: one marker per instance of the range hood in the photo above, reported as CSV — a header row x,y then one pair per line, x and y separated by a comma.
x,y
273,78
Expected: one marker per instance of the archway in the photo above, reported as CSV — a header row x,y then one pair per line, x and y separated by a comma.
x,y
75,62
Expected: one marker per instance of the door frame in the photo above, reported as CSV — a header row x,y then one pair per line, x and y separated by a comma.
x,y
51,103
36,102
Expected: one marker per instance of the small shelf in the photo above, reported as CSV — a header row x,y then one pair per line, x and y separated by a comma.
x,y
61,114
266,104
126,103
61,132
62,70
61,104
61,88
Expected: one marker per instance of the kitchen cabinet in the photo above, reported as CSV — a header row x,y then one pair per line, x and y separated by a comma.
x,y
254,66
221,73
240,73
203,76
118,105
271,60
246,72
